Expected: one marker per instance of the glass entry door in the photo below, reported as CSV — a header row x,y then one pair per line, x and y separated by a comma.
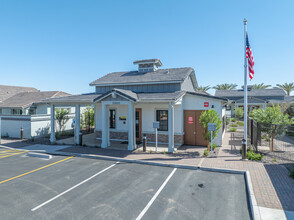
x,y
138,120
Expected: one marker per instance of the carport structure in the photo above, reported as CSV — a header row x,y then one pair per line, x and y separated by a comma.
x,y
74,100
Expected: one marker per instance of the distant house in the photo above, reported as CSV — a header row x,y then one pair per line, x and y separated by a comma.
x,y
28,103
22,108
257,98
8,91
127,103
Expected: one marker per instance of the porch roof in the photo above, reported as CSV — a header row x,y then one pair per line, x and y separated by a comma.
x,y
82,98
129,95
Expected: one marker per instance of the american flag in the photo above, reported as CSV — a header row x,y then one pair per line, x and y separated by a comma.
x,y
249,57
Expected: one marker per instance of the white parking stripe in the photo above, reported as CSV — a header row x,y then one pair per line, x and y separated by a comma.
x,y
61,194
156,194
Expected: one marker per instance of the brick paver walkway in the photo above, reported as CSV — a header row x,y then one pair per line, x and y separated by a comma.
x,y
272,186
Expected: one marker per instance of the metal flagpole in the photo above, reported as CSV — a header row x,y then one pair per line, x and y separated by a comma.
x,y
245,93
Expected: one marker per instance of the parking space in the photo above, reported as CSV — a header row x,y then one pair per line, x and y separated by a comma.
x,y
80,188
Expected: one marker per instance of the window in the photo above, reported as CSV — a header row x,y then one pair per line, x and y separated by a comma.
x,y
32,111
16,111
112,118
162,117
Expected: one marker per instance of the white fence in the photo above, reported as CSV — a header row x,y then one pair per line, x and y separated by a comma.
x,y
33,125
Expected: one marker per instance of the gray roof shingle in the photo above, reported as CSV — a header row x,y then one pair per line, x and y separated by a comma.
x,y
254,92
287,99
25,99
158,76
82,98
8,91
137,97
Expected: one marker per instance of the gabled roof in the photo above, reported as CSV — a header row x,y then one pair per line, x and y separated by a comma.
x,y
8,91
251,100
135,77
287,99
26,99
135,97
121,92
273,92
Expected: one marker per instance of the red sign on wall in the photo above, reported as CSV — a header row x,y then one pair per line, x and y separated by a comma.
x,y
206,104
190,120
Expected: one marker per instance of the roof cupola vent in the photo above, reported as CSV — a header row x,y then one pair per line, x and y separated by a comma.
x,y
148,65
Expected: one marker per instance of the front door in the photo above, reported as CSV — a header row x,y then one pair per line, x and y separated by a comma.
x,y
193,128
138,120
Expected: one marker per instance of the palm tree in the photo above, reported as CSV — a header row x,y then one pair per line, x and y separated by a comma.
x,y
225,86
203,88
260,86
287,87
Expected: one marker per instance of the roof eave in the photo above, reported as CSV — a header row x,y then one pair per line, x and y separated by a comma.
x,y
137,83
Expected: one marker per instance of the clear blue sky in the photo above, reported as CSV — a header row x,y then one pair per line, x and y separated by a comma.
x,y
65,45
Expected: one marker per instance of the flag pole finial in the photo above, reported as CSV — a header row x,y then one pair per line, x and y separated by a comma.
x,y
245,20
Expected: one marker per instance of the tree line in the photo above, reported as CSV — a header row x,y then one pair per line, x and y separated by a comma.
x,y
287,87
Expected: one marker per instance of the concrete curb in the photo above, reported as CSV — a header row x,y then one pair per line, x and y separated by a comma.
x,y
39,155
251,197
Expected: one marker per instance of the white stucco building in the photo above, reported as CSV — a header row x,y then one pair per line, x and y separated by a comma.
x,y
127,103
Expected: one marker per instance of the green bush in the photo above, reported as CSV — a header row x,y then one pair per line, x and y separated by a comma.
x,y
234,125
240,123
233,120
251,155
291,173
206,152
239,113
214,146
227,121
232,130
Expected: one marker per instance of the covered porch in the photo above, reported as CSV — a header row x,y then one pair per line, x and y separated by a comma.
x,y
90,140
126,104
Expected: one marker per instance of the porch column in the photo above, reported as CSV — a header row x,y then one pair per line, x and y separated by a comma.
x,y
171,128
77,126
52,136
105,126
131,125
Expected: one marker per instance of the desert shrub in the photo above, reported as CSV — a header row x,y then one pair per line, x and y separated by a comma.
x,y
232,130
251,155
227,121
206,152
240,123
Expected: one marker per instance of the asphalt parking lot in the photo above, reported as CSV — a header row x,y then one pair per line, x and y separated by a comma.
x,y
81,188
